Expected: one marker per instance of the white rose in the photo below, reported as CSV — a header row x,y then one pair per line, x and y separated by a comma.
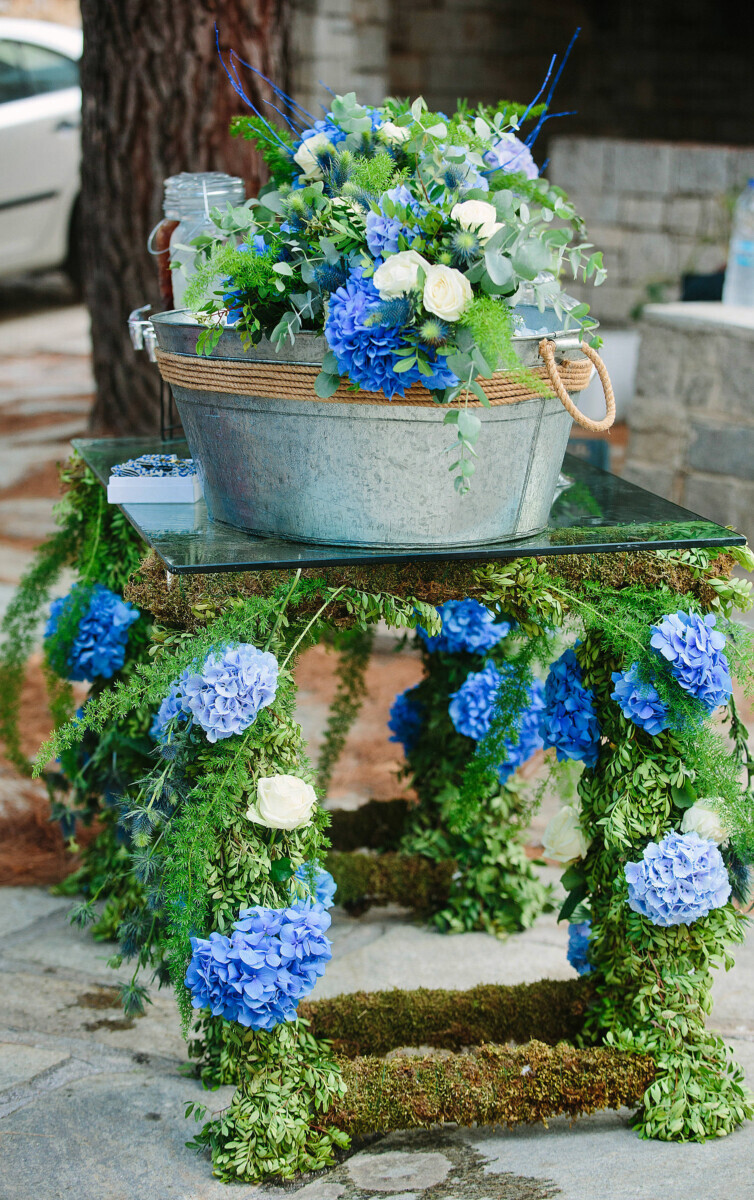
x,y
306,155
564,839
705,820
395,134
283,802
446,292
478,215
398,274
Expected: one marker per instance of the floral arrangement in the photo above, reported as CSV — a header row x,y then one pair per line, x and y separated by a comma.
x,y
99,631
257,976
678,880
406,237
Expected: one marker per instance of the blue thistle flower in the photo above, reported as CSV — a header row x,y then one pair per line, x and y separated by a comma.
x,y
433,332
465,247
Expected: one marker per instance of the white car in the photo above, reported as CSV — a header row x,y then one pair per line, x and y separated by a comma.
x,y
40,146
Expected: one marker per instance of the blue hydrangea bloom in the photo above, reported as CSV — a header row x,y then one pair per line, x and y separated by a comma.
x,y
678,880
226,694
319,883
406,719
325,125
693,648
99,647
466,625
529,737
639,701
511,154
471,708
365,352
257,976
569,722
578,947
382,231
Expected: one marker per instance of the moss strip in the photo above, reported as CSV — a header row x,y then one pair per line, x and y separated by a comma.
x,y
407,879
376,825
496,1085
550,1010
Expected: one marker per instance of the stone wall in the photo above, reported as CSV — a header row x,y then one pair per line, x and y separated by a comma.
x,y
658,210
692,419
341,43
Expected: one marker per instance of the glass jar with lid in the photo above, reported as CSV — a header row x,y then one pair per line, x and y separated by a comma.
x,y
189,199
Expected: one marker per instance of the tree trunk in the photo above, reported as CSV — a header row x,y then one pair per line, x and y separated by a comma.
x,y
156,101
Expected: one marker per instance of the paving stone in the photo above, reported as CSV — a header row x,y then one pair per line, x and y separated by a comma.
x,y
18,1064
22,906
27,517
397,1171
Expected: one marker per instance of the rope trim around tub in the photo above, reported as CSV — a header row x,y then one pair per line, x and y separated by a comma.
x,y
295,381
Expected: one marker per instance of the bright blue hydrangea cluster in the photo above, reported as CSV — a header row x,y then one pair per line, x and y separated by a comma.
x,y
171,707
406,719
529,737
99,647
365,348
225,695
568,721
155,464
578,947
678,880
318,882
693,649
472,707
466,626
639,701
257,976
382,231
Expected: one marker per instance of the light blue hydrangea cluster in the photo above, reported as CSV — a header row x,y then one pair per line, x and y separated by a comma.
x,y
99,647
318,882
693,648
568,721
639,701
382,231
364,348
155,464
257,976
466,626
406,720
225,695
529,737
510,154
472,707
578,947
678,880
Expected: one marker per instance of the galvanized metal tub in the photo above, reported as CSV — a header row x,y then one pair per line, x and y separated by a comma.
x,y
364,474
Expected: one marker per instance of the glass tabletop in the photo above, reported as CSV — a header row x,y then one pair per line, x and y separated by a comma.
x,y
594,512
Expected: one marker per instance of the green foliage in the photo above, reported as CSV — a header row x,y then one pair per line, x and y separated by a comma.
x,y
253,129
355,648
276,1125
375,175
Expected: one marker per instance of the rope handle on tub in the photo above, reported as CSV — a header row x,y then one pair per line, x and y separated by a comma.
x,y
547,354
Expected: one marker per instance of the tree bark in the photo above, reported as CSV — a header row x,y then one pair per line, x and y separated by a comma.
x,y
156,101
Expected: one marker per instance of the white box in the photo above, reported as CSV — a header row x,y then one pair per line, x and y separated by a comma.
x,y
154,489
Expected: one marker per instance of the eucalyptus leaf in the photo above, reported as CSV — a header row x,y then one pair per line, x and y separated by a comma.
x,y
326,385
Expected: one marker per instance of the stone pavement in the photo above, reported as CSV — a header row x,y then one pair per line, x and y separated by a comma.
x,y
91,1103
